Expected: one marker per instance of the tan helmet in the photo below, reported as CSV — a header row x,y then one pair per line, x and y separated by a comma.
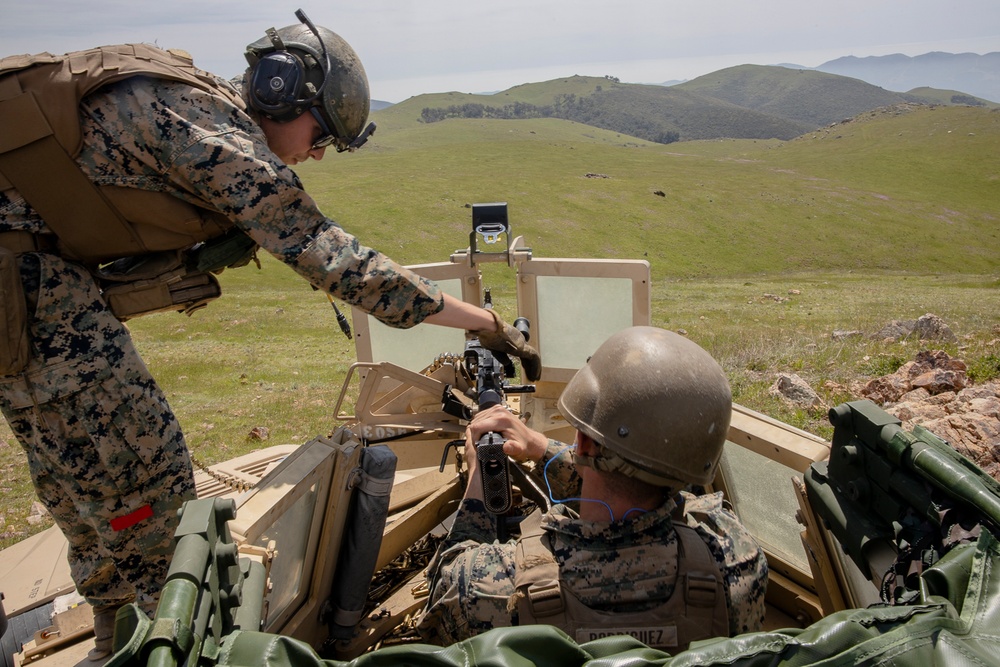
x,y
657,404
301,66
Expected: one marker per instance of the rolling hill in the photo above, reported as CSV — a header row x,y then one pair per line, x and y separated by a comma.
x,y
905,189
745,102
809,97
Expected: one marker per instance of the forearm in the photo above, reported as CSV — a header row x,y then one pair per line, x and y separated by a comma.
x,y
337,263
462,315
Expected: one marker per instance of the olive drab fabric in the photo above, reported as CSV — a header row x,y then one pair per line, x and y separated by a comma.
x,y
40,96
954,625
695,610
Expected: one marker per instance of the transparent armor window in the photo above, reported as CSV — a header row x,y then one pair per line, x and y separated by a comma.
x,y
416,347
578,314
763,497
290,530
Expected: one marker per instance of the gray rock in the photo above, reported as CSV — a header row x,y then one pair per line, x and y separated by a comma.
x,y
793,389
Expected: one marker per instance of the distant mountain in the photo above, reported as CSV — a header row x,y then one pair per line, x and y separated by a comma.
x,y
802,95
378,105
744,102
971,73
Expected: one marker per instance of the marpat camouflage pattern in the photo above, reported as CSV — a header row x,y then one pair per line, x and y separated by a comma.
x,y
628,565
107,455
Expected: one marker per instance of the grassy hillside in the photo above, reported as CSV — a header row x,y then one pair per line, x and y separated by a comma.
x,y
942,96
808,96
647,112
892,192
759,250
745,102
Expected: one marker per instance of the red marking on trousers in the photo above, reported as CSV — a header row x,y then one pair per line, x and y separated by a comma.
x,y
129,520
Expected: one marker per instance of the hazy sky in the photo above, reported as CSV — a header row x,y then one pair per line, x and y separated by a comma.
x,y
410,47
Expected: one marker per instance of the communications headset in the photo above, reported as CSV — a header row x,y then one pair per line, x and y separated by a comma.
x,y
279,89
278,86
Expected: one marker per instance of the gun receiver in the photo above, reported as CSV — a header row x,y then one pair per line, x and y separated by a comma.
x,y
898,501
490,370
493,467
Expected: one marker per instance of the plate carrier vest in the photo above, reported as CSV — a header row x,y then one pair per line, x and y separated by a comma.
x,y
695,610
40,96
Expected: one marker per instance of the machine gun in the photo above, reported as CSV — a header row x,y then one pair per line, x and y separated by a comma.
x,y
898,501
487,371
490,370
493,467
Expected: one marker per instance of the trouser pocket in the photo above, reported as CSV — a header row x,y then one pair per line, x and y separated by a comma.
x,y
14,346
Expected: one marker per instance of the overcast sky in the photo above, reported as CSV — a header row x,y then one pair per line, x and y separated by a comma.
x,y
410,47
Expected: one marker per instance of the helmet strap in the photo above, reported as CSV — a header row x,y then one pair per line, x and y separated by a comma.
x,y
607,461
276,40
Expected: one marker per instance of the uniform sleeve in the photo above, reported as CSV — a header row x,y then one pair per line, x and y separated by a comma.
x,y
559,472
472,580
200,148
740,558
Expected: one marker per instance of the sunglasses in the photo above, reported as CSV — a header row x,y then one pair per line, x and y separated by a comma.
x,y
328,136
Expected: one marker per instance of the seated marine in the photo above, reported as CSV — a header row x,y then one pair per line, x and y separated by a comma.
x,y
624,547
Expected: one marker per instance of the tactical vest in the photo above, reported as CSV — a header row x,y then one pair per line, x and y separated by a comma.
x,y
695,610
40,134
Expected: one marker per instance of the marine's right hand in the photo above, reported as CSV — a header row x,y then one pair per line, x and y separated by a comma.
x,y
522,443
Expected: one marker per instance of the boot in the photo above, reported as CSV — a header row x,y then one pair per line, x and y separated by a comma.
x,y
104,631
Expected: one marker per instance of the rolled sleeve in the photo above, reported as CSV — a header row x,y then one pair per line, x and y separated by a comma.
x,y
201,148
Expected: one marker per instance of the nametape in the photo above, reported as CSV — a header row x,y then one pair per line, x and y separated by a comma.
x,y
665,635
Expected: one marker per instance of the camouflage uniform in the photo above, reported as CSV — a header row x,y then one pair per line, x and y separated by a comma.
x,y
473,576
106,453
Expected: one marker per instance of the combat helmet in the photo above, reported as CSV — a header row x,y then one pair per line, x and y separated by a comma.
x,y
301,67
656,403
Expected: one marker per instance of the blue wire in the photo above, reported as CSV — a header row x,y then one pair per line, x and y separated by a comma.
x,y
545,476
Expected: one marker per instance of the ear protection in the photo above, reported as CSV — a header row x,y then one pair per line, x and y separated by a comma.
x,y
278,86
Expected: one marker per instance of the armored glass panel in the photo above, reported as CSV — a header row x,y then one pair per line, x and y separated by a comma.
x,y
291,531
763,497
566,303
414,348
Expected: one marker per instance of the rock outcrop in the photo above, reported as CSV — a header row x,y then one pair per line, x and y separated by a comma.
x,y
934,391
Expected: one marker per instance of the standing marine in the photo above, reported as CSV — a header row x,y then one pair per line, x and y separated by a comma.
x,y
128,179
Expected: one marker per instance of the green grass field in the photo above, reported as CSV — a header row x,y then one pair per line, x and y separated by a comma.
x,y
890,216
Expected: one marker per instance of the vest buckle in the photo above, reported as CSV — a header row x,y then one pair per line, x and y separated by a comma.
x,y
545,598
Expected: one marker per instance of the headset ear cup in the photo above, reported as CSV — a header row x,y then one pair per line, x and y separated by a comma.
x,y
276,83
